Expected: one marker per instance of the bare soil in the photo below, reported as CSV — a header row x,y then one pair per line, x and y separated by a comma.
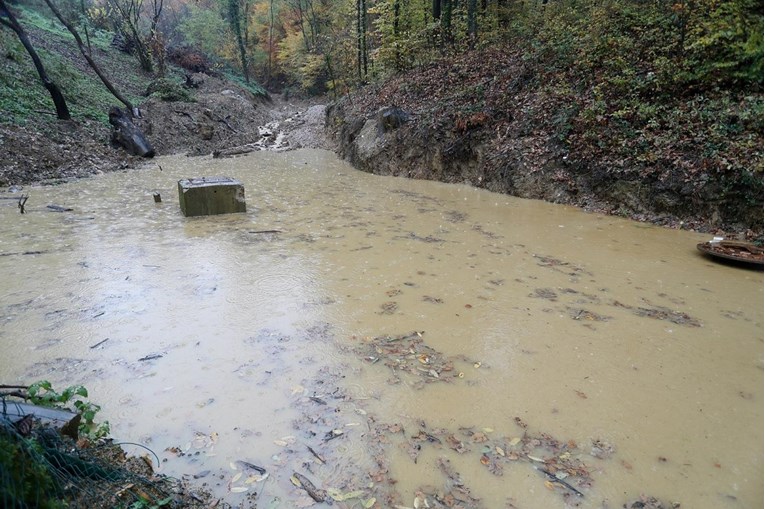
x,y
222,116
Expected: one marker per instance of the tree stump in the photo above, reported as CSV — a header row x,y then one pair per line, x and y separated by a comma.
x,y
127,135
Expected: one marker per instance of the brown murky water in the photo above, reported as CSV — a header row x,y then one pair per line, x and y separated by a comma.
x,y
549,339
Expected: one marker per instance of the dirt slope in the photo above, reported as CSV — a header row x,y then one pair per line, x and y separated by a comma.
x,y
490,119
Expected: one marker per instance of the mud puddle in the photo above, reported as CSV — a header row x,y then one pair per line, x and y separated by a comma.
x,y
380,342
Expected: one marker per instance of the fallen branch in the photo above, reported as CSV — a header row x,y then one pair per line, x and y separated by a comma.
x,y
554,479
245,464
235,151
225,122
22,201
317,455
184,113
24,253
59,208
265,231
99,343
150,357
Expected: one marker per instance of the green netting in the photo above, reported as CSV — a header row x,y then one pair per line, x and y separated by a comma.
x,y
40,468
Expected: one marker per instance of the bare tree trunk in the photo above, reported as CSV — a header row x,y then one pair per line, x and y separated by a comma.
x,y
84,15
62,111
472,23
131,14
237,17
270,40
361,42
89,58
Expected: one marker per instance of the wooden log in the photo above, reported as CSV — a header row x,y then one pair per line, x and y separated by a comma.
x,y
127,135
235,151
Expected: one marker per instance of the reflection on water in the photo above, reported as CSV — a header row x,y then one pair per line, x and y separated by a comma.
x,y
642,359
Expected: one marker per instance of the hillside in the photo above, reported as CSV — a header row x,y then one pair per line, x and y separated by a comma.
x,y
497,120
535,120
212,114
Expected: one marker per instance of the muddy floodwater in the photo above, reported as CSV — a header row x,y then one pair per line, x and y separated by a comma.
x,y
396,342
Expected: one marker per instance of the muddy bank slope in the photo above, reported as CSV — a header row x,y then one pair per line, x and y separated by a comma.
x,y
493,120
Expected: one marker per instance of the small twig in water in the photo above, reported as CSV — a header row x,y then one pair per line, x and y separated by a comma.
x,y
150,357
317,455
99,343
560,481
22,201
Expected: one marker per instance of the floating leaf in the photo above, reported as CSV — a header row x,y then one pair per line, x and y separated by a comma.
x,y
500,451
280,443
514,441
237,477
239,489
369,503
214,437
233,466
298,389
477,365
255,478
461,375
296,481
535,458
361,412
423,358
338,496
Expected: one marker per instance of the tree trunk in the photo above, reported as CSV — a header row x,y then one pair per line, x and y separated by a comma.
x,y
62,111
127,135
446,23
396,31
472,24
235,14
131,17
270,39
89,58
361,43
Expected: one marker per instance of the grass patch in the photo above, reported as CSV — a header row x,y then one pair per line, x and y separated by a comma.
x,y
22,95
252,87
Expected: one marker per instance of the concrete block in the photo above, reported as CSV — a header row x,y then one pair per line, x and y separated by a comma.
x,y
204,196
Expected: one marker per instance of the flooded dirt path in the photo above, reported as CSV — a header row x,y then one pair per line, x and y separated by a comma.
x,y
394,341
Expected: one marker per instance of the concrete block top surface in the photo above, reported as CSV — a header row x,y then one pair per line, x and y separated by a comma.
x,y
204,196
208,181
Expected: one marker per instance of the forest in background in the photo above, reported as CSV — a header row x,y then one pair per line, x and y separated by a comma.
x,y
626,47
657,92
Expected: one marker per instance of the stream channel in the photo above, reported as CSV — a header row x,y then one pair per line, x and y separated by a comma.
x,y
397,342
